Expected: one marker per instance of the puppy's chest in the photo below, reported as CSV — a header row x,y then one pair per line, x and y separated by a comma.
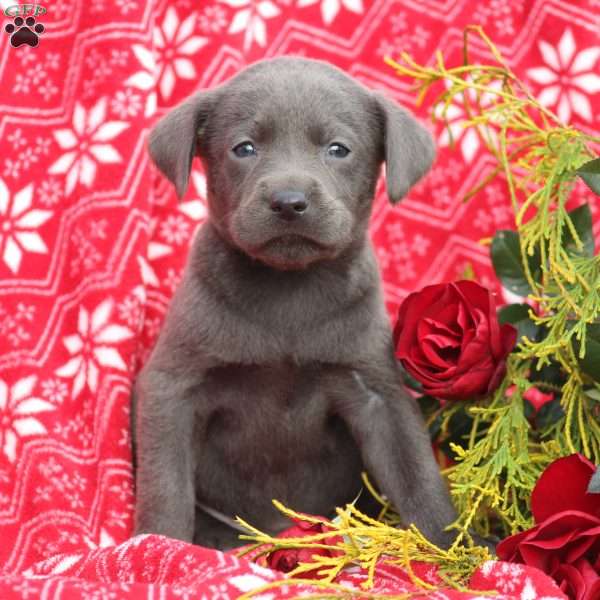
x,y
252,408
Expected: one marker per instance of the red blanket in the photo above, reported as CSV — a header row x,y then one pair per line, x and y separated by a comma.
x,y
92,243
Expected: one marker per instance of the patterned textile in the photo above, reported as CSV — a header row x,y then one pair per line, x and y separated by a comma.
x,y
92,243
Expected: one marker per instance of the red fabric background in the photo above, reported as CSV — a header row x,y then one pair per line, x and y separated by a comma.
x,y
92,243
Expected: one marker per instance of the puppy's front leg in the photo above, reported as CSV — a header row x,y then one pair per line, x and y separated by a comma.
x,y
165,491
396,449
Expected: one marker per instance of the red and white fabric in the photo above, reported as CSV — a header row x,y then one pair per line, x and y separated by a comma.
x,y
92,243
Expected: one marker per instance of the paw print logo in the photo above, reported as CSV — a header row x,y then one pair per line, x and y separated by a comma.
x,y
24,31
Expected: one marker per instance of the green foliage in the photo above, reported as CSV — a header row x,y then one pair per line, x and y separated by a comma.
x,y
519,315
508,262
549,258
590,173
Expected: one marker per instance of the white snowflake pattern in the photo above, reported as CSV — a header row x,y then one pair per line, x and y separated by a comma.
x,y
12,322
195,208
400,251
17,226
416,37
250,18
331,8
145,80
131,309
175,230
127,6
49,191
567,77
85,144
54,390
455,131
92,347
17,407
16,139
174,43
126,103
86,257
213,19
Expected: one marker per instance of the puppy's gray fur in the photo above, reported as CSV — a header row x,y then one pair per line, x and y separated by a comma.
x,y
274,375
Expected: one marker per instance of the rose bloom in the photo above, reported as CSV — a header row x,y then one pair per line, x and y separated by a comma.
x,y
288,559
448,338
565,542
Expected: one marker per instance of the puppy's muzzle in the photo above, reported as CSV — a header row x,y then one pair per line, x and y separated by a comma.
x,y
289,205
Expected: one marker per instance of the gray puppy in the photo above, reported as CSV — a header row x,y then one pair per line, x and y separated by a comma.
x,y
274,375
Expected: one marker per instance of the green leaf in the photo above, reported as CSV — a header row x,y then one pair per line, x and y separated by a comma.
x,y
590,363
409,381
590,173
582,221
551,373
549,414
518,315
593,393
508,264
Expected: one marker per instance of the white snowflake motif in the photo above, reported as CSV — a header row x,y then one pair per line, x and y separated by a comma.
x,y
212,20
50,191
55,390
456,114
174,42
16,139
175,230
17,406
17,224
131,310
126,103
251,19
566,75
507,576
195,209
86,142
330,8
91,347
145,80
125,6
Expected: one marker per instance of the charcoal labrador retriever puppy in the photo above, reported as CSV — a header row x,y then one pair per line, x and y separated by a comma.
x,y
274,375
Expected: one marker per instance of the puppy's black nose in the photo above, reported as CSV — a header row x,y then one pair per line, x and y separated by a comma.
x,y
289,204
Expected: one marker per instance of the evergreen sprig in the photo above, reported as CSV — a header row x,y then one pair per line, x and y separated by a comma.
x,y
550,258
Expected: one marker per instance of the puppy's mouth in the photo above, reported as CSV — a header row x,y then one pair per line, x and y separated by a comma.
x,y
292,251
292,240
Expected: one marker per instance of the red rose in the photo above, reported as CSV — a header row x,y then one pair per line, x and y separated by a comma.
x,y
565,542
288,559
448,337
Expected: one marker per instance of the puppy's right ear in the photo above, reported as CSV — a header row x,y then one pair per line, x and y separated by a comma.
x,y
173,141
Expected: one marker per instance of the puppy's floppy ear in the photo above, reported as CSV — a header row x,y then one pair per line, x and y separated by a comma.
x,y
173,141
408,146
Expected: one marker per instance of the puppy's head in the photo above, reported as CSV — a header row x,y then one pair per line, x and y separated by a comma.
x,y
292,149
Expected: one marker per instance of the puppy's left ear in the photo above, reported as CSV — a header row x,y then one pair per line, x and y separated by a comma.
x,y
408,147
174,140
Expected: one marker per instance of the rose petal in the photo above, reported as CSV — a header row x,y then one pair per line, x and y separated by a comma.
x,y
551,495
508,548
570,581
410,313
508,337
471,384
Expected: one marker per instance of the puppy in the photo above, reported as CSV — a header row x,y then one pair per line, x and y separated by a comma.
x,y
274,375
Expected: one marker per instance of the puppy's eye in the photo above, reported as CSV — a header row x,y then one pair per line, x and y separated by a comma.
x,y
338,151
244,149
